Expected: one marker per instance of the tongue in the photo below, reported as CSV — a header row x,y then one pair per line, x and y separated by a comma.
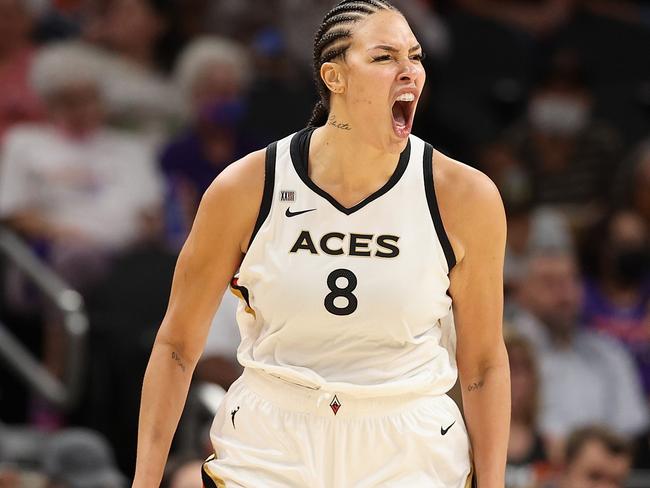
x,y
398,114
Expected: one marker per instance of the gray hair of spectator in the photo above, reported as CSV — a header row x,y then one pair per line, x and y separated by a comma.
x,y
612,442
81,458
209,51
332,41
63,65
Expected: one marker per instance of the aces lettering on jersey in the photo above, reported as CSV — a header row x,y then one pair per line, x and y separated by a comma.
x,y
342,282
337,244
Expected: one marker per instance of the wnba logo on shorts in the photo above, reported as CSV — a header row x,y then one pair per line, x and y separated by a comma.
x,y
287,196
335,405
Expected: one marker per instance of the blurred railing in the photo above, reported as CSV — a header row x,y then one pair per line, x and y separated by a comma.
x,y
63,393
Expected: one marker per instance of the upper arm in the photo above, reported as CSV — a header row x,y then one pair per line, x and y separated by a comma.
x,y
212,254
474,218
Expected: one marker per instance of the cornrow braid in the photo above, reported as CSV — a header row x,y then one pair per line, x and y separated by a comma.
x,y
332,40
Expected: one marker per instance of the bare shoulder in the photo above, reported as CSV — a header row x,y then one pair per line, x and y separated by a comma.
x,y
237,193
469,202
240,178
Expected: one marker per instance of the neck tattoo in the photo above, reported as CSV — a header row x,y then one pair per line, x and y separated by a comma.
x,y
339,125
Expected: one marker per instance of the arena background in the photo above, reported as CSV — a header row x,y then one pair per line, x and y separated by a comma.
x,y
115,115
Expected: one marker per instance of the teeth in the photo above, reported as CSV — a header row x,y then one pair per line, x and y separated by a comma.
x,y
407,97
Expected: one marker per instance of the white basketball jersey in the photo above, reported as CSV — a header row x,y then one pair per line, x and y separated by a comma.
x,y
348,299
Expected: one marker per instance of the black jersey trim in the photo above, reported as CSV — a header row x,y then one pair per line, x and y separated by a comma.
x,y
430,192
267,196
300,159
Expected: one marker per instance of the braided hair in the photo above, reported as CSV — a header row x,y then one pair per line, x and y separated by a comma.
x,y
332,40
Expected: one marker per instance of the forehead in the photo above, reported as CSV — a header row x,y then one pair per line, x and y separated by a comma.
x,y
594,453
552,265
629,227
385,27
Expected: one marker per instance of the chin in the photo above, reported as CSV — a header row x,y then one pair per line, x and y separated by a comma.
x,y
396,144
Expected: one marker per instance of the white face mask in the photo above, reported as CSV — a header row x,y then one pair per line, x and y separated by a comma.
x,y
558,114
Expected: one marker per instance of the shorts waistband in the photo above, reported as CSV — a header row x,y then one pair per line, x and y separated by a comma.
x,y
297,398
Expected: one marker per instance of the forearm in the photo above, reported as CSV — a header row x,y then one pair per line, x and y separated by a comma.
x,y
166,383
486,401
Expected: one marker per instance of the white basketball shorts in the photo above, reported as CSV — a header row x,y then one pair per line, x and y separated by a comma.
x,y
269,433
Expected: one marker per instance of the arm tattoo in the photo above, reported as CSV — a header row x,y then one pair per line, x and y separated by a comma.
x,y
339,125
475,386
178,360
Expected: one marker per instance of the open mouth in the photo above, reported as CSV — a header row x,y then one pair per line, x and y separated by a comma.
x,y
403,110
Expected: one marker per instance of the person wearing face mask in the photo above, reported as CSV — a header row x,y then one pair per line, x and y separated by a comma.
x,y
569,155
213,74
617,295
369,268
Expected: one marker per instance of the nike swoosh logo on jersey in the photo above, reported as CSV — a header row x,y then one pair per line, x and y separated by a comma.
x,y
443,431
289,213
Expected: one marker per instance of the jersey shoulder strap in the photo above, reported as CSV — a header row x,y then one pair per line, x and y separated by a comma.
x,y
269,184
430,192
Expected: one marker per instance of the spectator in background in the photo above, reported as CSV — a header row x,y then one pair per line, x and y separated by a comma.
x,y
80,192
138,96
537,18
84,190
640,193
569,156
617,294
633,183
585,378
240,20
18,102
130,28
595,458
80,458
527,458
213,75
529,227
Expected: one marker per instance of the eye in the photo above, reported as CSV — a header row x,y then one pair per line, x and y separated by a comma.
x,y
419,57
384,57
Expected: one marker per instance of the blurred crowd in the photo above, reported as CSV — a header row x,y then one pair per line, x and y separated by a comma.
x,y
116,115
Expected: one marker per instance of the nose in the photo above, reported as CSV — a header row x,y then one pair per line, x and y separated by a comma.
x,y
408,71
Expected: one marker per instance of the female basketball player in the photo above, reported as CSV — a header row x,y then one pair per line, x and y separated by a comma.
x,y
358,305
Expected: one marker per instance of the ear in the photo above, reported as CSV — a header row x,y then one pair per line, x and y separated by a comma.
x,y
332,76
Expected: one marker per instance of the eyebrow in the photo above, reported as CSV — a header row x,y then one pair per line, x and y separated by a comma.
x,y
393,49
